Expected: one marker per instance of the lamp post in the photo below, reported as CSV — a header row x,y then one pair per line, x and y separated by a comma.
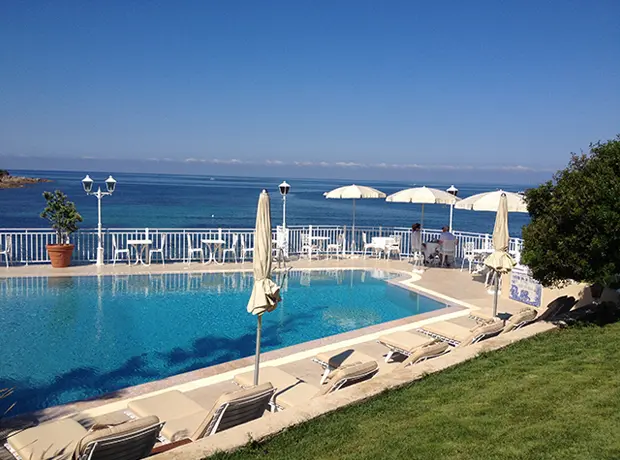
x,y
284,189
452,190
110,184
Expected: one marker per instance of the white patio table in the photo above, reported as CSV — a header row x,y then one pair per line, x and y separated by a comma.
x,y
383,242
140,246
321,242
213,245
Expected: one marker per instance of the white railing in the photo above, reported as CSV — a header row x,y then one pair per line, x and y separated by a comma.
x,y
28,246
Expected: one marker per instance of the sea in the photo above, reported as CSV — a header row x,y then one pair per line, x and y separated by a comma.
x,y
192,201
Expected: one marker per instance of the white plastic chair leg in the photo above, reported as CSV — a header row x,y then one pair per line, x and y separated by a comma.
x,y
324,376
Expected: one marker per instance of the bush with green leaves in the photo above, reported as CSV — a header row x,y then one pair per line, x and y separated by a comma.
x,y
3,173
62,215
574,232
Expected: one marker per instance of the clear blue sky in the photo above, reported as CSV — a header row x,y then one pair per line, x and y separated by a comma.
x,y
410,84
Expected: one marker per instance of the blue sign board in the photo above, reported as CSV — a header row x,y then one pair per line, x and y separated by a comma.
x,y
524,288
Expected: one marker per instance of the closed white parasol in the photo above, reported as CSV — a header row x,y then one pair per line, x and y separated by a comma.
x,y
500,261
265,293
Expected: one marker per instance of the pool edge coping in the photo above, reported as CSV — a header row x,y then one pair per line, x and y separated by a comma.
x,y
101,404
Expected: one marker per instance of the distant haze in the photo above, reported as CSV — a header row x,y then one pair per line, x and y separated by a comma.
x,y
418,174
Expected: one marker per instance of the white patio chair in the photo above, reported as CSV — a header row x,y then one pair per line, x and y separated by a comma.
x,y
447,251
161,250
280,251
118,251
191,250
394,248
487,243
469,255
418,261
307,248
232,249
6,249
336,248
489,281
245,249
369,245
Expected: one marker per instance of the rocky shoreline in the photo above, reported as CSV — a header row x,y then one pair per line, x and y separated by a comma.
x,y
8,181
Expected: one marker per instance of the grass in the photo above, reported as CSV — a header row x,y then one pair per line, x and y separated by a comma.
x,y
555,396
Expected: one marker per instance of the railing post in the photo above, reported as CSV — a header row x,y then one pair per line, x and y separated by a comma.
x,y
26,252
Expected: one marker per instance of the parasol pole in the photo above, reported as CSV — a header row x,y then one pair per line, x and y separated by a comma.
x,y
257,360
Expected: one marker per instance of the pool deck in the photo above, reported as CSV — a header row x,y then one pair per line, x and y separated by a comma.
x,y
461,294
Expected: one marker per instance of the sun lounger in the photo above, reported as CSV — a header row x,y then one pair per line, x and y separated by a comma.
x,y
414,347
293,391
520,319
332,360
458,336
66,439
186,419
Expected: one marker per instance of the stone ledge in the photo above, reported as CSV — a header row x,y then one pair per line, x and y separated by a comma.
x,y
266,427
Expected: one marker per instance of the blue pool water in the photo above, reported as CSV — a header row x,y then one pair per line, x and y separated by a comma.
x,y
66,339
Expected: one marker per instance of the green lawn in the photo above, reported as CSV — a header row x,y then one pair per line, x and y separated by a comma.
x,y
555,396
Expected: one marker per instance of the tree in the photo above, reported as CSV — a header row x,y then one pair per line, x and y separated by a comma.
x,y
62,215
574,232
3,173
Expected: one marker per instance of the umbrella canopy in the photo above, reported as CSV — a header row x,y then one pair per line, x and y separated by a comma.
x,y
265,293
500,260
489,201
354,192
422,195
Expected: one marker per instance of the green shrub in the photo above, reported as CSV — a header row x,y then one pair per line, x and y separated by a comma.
x,y
62,215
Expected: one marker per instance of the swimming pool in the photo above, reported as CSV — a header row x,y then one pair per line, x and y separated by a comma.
x,y
71,338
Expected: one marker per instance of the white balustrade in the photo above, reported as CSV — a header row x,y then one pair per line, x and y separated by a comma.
x,y
28,245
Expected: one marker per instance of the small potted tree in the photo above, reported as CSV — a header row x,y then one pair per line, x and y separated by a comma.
x,y
63,217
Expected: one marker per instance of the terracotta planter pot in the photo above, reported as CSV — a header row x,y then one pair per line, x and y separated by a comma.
x,y
60,254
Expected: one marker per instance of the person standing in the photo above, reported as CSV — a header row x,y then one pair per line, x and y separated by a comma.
x,y
446,235
447,246
416,238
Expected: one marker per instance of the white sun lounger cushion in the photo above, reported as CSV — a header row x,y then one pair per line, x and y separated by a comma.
x,y
342,357
185,418
526,315
56,440
166,406
347,375
405,341
462,334
433,349
290,391
62,439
